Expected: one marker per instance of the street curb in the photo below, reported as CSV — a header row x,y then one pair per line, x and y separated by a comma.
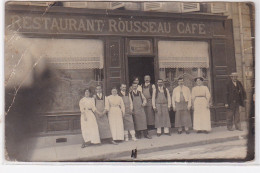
x,y
114,155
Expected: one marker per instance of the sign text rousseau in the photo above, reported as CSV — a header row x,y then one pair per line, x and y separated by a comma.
x,y
53,24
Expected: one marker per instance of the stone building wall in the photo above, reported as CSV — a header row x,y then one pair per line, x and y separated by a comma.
x,y
244,51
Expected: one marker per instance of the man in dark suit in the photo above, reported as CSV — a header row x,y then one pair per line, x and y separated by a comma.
x,y
236,96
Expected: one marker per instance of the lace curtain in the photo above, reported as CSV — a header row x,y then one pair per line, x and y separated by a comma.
x,y
183,54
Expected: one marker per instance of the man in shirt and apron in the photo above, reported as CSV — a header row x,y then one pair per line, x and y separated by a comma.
x,y
147,89
140,122
161,104
181,103
102,120
128,118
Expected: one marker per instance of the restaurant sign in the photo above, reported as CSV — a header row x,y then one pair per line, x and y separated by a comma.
x,y
89,25
140,47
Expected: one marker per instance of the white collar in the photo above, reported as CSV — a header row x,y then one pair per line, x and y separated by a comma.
x,y
146,84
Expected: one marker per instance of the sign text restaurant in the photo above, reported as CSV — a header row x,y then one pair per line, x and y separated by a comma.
x,y
113,26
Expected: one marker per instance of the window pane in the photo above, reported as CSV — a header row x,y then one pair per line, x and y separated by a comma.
x,y
175,61
72,66
68,88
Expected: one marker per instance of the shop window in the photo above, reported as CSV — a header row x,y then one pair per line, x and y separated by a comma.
x,y
75,64
187,59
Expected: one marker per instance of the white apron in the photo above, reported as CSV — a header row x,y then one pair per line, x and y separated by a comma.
x,y
116,108
89,125
201,116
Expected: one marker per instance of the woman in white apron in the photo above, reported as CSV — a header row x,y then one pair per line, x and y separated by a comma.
x,y
200,99
88,121
116,110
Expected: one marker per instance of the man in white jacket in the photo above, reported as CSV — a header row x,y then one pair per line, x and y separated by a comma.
x,y
181,102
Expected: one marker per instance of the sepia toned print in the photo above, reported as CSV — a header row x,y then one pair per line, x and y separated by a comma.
x,y
129,81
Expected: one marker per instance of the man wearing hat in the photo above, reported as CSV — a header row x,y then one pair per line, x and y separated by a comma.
x,y
236,96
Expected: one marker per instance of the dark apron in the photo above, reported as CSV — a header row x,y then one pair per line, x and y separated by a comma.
x,y
149,107
139,114
182,116
128,118
162,118
102,120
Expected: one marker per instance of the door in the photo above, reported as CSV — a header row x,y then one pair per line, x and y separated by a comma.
x,y
223,63
139,67
114,63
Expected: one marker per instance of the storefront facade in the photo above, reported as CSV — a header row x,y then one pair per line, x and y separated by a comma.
x,y
86,47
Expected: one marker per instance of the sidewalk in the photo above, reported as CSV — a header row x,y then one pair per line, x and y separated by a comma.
x,y
48,150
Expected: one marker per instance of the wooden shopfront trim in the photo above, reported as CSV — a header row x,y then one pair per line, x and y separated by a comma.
x,y
67,21
214,23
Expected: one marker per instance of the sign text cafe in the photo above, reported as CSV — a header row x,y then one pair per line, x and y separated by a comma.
x,y
113,26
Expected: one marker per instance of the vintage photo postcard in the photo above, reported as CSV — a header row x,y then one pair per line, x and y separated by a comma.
x,y
124,81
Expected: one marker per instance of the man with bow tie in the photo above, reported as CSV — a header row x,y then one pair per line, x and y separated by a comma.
x,y
102,120
147,89
161,101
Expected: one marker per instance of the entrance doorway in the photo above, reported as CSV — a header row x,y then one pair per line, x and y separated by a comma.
x,y
139,67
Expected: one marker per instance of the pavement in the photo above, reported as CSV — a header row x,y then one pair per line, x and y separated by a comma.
x,y
44,149
229,151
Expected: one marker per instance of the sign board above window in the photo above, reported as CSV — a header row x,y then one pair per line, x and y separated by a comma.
x,y
137,47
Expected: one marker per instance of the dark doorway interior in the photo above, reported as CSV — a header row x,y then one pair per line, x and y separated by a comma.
x,y
139,67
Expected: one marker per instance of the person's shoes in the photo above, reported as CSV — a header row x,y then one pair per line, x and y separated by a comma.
x,y
159,134
187,132
126,139
239,129
114,143
199,131
148,136
206,132
179,132
230,129
168,134
134,139
83,145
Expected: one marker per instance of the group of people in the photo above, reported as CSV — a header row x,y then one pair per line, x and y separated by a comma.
x,y
147,106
